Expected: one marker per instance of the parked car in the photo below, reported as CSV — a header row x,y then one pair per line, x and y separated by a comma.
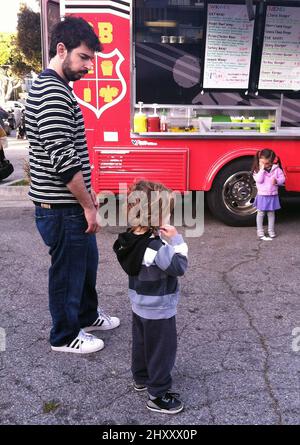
x,y
14,104
4,120
7,126
14,109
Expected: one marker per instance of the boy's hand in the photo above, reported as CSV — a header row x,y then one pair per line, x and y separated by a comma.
x,y
168,231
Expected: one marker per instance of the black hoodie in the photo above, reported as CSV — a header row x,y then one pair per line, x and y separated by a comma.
x,y
130,250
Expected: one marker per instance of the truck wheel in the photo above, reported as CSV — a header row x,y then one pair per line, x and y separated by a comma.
x,y
232,194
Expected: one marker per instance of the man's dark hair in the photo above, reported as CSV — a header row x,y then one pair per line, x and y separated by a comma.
x,y
72,32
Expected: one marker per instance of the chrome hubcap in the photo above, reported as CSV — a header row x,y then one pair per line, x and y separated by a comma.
x,y
239,192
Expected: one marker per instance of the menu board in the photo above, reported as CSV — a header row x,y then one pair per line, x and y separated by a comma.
x,y
280,63
228,47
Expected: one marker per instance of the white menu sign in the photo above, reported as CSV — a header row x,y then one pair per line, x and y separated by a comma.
x,y
280,63
228,47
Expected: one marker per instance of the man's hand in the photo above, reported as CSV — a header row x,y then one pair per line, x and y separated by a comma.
x,y
88,202
93,221
95,199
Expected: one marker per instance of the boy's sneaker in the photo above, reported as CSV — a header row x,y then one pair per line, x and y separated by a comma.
x,y
272,234
139,388
103,322
82,344
168,404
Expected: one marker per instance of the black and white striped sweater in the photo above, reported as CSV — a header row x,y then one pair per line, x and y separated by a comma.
x,y
55,131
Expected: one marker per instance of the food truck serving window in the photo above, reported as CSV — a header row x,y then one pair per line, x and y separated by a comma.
x,y
168,36
186,47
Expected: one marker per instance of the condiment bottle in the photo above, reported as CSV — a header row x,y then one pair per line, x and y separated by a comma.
x,y
163,122
153,121
140,121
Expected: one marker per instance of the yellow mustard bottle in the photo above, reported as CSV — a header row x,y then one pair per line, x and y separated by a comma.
x,y
140,121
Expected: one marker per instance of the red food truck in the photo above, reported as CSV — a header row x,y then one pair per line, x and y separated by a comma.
x,y
186,91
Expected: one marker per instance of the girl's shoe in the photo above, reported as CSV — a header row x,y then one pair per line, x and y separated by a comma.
x,y
265,238
272,235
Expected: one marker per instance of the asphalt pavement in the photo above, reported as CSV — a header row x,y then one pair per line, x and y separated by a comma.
x,y
237,362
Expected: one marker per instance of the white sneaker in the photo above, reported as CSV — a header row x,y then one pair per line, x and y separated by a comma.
x,y
265,238
272,235
82,344
103,323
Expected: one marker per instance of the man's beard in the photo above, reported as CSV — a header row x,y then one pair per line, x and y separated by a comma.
x,y
71,75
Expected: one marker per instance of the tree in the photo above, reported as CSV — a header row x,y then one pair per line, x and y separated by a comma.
x,y
20,54
8,80
5,47
29,37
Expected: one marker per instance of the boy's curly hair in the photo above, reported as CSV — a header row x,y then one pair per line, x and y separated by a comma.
x,y
149,204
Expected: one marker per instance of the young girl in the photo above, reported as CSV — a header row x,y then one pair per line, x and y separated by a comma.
x,y
268,175
153,267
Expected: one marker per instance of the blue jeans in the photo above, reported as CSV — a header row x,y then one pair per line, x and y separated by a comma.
x,y
73,298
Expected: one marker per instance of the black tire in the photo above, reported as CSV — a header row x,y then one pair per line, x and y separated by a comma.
x,y
232,194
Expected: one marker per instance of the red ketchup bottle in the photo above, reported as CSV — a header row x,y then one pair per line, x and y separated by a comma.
x,y
153,121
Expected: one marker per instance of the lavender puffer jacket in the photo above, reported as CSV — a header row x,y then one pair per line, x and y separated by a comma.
x,y
264,180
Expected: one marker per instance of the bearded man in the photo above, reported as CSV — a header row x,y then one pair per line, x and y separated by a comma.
x,y
65,204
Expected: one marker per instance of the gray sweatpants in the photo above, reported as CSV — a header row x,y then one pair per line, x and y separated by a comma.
x,y
260,222
154,344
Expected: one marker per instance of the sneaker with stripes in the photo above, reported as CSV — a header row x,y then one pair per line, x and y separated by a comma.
x,y
103,322
82,344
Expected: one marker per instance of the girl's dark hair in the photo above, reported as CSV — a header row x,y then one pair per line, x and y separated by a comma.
x,y
267,154
72,32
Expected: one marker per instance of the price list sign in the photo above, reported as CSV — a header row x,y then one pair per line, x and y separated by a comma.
x,y
280,63
228,47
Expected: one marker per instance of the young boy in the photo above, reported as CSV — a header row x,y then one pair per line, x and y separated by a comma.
x,y
153,267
